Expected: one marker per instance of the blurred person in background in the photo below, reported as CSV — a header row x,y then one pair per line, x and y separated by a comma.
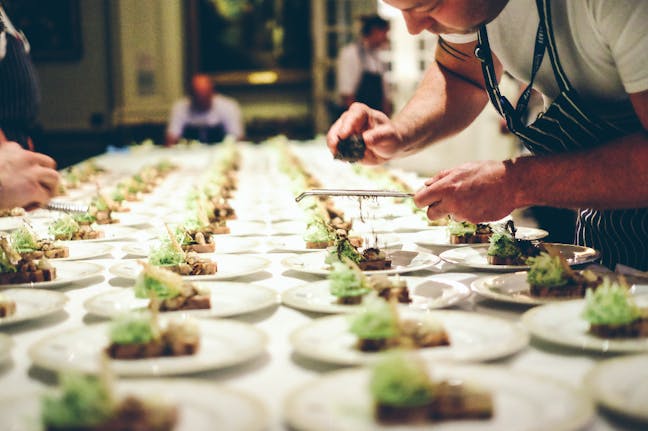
x,y
360,70
205,116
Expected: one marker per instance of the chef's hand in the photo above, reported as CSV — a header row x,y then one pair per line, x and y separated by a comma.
x,y
475,191
27,179
380,136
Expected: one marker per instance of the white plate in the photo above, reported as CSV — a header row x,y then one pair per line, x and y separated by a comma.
x,y
111,233
223,343
521,402
247,228
80,250
473,337
402,261
132,219
66,273
227,299
229,266
430,293
410,223
475,257
561,323
32,304
5,348
440,236
224,244
621,385
511,288
200,405
11,223
296,244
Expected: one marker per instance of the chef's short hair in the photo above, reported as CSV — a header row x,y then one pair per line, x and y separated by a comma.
x,y
370,22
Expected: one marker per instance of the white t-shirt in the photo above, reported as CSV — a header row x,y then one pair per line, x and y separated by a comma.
x,y
602,46
224,110
350,68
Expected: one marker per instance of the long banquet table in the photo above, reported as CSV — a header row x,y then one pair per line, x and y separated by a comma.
x,y
278,371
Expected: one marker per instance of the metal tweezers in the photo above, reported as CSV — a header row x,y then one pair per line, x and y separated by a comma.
x,y
68,207
359,193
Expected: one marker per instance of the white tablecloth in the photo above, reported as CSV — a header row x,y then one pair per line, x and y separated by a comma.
x,y
273,375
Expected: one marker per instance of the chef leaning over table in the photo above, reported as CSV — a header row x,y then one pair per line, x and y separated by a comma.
x,y
27,179
589,59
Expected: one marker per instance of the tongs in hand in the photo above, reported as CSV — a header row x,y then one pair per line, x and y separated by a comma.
x,y
358,193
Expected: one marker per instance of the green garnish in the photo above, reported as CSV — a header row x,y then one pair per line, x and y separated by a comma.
x,y
343,250
346,282
318,231
118,195
83,402
23,240
375,321
397,380
546,271
133,329
64,228
166,254
461,228
84,218
158,283
610,304
503,244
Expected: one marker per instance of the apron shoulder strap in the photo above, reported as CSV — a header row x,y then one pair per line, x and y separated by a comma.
x,y
544,11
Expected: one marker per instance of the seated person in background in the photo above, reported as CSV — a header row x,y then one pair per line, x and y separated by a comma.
x,y
207,116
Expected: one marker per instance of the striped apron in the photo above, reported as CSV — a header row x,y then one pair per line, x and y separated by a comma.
x,y
567,125
19,91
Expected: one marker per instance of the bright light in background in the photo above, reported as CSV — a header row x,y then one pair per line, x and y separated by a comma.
x,y
386,11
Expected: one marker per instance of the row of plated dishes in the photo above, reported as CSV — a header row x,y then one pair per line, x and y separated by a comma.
x,y
222,343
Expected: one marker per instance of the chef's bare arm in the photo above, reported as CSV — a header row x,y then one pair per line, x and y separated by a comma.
x,y
448,99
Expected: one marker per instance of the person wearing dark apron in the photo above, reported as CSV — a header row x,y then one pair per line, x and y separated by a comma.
x,y
371,87
568,125
580,159
360,69
19,89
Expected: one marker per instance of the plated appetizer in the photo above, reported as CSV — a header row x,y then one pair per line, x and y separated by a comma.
x,y
12,212
506,249
15,269
378,327
463,232
318,234
138,336
68,228
101,208
550,276
86,403
370,258
403,392
29,246
613,313
349,284
168,292
172,257
7,306
204,218
193,237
